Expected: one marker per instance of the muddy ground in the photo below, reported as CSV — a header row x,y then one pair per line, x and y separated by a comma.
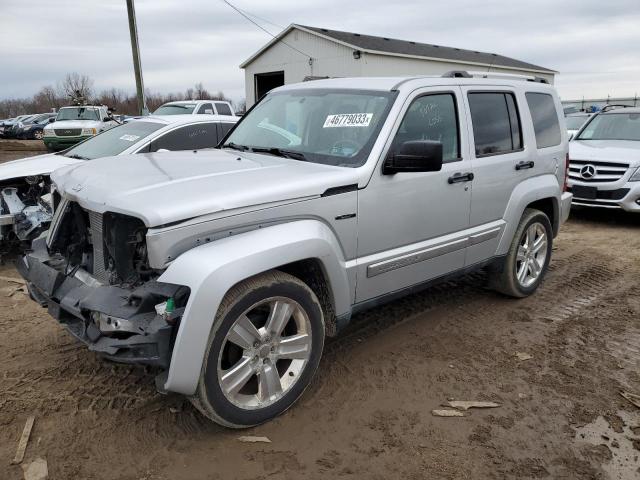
x,y
16,149
368,412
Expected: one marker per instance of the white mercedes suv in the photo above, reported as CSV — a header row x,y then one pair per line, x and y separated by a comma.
x,y
605,161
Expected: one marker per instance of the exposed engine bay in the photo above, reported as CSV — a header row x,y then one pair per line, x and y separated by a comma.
x,y
26,209
91,272
110,247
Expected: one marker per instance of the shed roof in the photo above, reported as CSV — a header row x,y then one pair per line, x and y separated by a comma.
x,y
392,46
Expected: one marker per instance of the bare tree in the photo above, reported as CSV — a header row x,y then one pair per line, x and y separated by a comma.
x,y
78,88
200,92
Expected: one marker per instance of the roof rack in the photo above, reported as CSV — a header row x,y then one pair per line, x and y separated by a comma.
x,y
613,106
493,75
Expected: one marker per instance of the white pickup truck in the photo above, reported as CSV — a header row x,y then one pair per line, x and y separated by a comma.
x,y
75,124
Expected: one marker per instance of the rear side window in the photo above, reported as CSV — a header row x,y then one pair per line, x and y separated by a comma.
x,y
545,119
496,124
190,137
223,109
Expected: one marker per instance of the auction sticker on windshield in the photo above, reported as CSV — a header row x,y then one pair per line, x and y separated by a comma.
x,y
348,120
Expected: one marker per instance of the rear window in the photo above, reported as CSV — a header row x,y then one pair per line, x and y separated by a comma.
x,y
496,124
545,119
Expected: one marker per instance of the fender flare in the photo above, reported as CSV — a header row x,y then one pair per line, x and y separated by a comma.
x,y
525,193
211,270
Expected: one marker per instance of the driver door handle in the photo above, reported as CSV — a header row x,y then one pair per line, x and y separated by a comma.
x,y
460,177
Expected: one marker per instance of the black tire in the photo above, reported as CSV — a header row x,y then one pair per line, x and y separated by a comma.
x,y
209,398
504,278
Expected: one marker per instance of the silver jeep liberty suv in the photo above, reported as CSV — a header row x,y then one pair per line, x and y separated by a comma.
x,y
227,268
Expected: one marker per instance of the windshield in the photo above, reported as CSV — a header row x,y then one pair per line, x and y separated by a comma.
x,y
176,109
574,123
78,113
113,141
330,126
613,126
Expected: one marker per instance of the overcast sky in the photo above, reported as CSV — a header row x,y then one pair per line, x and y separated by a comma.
x,y
594,44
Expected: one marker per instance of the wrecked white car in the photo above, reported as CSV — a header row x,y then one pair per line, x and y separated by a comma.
x,y
25,190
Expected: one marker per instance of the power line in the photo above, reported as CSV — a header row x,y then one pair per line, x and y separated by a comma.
x,y
246,15
261,18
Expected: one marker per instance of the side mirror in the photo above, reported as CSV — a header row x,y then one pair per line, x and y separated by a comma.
x,y
107,119
52,119
415,156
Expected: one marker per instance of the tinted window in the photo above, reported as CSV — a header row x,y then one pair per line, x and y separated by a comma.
x,y
206,108
223,129
432,117
545,119
496,125
190,137
223,109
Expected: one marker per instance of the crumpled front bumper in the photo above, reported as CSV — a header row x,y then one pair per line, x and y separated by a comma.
x,y
78,305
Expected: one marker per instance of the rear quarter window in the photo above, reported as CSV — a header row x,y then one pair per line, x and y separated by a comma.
x,y
545,119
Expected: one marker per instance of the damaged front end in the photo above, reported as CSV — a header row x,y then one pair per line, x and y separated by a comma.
x,y
92,274
26,210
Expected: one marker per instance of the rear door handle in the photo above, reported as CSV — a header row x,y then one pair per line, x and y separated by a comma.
x,y
524,165
460,177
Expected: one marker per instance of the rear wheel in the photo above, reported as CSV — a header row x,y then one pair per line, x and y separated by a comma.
x,y
263,350
528,258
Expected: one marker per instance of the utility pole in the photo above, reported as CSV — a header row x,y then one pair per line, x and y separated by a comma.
x,y
137,67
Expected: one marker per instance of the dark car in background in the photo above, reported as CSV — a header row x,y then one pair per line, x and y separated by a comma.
x,y
6,129
33,128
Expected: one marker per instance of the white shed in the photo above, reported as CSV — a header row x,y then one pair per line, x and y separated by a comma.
x,y
300,52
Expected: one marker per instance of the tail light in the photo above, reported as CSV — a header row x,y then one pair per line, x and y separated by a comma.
x,y
565,186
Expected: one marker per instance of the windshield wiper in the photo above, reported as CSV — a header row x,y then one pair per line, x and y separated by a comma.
x,y
235,146
280,152
77,157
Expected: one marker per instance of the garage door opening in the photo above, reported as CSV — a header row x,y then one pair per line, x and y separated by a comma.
x,y
267,81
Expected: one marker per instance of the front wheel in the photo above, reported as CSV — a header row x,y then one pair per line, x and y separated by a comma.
x,y
263,350
38,135
528,258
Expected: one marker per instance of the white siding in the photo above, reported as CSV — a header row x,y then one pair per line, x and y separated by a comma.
x,y
332,59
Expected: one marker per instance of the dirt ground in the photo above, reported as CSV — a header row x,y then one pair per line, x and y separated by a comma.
x,y
368,412
15,149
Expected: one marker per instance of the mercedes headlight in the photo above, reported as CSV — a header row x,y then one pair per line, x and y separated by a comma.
x,y
88,131
636,176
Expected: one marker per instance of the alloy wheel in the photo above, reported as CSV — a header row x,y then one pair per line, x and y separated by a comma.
x,y
531,255
264,353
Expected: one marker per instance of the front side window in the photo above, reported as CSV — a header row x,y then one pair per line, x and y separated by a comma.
x,y
189,137
496,124
432,117
329,126
612,126
176,109
113,141
78,113
545,119
223,108
206,108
